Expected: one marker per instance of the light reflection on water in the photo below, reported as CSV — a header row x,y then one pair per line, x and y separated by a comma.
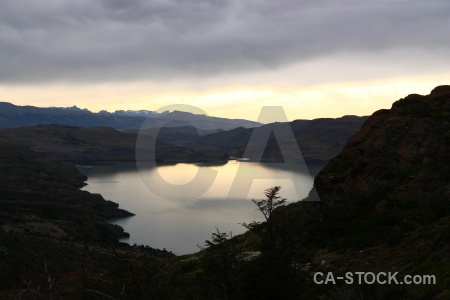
x,y
180,223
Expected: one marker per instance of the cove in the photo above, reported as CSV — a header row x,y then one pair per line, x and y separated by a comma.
x,y
178,222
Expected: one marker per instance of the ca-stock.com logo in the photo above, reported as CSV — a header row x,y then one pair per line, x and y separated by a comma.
x,y
277,125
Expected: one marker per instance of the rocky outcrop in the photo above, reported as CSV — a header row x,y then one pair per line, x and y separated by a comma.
x,y
384,203
399,155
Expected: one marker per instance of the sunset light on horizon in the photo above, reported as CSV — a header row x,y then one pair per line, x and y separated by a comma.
x,y
227,58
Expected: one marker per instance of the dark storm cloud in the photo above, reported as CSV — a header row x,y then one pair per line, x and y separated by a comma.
x,y
101,40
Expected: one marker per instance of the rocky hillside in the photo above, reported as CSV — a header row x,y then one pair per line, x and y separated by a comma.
x,y
384,207
400,155
55,242
384,203
41,196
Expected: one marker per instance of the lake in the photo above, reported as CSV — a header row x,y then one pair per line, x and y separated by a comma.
x,y
185,213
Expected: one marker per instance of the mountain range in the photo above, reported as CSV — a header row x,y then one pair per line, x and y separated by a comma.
x,y
70,134
98,145
319,140
12,116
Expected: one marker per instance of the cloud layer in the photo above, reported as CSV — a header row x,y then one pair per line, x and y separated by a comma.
x,y
119,40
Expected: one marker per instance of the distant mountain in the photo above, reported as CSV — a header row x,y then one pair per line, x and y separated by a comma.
x,y
12,116
134,113
74,108
318,139
204,122
209,137
179,135
97,145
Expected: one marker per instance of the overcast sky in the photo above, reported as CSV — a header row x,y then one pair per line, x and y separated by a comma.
x,y
316,58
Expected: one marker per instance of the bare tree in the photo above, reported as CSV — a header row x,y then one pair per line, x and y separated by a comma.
x,y
267,207
272,201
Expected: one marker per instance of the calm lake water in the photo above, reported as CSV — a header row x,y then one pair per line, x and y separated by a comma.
x,y
179,221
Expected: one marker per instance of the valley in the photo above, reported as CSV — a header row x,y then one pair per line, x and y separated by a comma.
x,y
381,203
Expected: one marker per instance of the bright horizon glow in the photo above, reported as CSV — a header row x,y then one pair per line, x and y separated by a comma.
x,y
325,100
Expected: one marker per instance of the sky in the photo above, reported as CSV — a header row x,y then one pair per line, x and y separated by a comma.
x,y
315,58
